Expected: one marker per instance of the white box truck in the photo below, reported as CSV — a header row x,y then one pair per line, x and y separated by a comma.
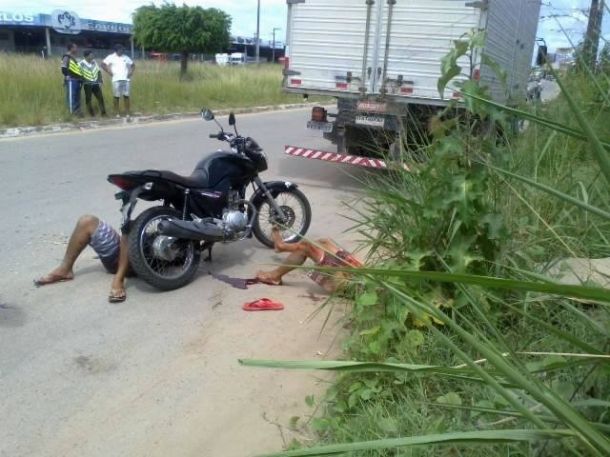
x,y
381,60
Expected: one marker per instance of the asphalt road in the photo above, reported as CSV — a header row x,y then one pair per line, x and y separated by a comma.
x,y
157,375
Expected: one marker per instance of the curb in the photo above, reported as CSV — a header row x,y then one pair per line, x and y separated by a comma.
x,y
16,132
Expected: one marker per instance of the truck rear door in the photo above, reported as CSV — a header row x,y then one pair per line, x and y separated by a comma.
x,y
416,35
326,45
358,47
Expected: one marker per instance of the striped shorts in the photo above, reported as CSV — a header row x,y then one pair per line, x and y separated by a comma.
x,y
106,242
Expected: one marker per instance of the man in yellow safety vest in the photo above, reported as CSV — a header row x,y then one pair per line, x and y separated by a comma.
x,y
72,79
92,83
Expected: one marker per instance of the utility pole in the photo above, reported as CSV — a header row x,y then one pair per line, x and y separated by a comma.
x,y
594,27
273,50
258,32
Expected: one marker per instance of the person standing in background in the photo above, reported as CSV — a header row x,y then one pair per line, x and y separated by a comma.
x,y
72,79
121,68
92,83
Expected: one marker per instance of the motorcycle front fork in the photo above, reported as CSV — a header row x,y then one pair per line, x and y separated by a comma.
x,y
276,208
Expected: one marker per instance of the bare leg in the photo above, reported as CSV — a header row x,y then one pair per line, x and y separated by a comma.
x,y
85,228
300,252
117,289
115,103
127,106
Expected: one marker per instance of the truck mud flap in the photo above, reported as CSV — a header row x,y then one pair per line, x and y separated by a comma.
x,y
358,161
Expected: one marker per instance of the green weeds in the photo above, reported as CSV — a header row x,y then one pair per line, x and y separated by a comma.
x,y
32,92
465,339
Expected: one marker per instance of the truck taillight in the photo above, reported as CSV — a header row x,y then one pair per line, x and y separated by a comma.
x,y
406,90
319,114
295,82
286,63
342,86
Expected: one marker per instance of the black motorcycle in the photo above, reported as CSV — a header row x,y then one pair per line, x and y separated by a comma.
x,y
208,207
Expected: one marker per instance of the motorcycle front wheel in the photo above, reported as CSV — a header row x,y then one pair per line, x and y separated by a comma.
x,y
164,262
297,217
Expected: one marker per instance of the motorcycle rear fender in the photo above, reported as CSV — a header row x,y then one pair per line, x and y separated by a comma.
x,y
274,188
130,199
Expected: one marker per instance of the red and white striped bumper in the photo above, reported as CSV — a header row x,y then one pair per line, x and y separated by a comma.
x,y
335,157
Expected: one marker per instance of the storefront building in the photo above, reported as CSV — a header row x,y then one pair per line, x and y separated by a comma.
x,y
48,34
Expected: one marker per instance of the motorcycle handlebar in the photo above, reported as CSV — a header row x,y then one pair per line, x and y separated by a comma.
x,y
235,141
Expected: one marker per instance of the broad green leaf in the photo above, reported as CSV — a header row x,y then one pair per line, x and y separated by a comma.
x,y
463,373
482,437
450,398
367,299
496,68
586,293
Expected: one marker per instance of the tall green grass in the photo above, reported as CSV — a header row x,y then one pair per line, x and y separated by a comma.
x,y
32,93
463,342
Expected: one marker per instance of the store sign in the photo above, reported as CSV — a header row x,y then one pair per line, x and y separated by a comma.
x,y
108,27
65,22
8,17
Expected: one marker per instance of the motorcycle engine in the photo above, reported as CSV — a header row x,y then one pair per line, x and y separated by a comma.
x,y
234,218
235,221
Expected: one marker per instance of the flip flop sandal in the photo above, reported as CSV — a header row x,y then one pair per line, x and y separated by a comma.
x,y
263,304
117,297
50,279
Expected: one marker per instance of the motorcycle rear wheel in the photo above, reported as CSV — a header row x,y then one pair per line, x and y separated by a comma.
x,y
297,210
163,262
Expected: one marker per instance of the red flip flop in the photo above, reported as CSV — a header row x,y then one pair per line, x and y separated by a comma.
x,y
263,304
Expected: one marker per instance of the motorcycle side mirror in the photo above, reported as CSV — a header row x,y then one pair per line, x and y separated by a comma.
x,y
207,114
232,119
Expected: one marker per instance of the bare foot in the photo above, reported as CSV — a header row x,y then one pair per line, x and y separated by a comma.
x,y
60,274
268,278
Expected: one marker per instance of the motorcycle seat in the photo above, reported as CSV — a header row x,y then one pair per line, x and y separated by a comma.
x,y
198,180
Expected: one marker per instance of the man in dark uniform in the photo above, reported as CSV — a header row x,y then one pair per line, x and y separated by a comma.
x,y
72,79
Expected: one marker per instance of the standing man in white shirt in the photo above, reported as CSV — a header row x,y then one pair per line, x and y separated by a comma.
x,y
120,67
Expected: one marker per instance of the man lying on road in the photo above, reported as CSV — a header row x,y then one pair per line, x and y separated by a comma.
x,y
109,246
324,253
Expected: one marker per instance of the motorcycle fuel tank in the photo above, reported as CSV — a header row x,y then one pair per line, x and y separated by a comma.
x,y
226,170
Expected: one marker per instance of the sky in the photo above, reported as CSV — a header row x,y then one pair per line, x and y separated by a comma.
x,y
571,14
243,12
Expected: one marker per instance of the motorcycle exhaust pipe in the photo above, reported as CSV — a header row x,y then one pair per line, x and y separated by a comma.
x,y
191,230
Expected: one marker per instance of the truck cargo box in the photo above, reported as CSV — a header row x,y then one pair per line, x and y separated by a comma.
x,y
393,48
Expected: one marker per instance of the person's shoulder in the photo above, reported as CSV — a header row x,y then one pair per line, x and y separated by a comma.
x,y
109,58
127,59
